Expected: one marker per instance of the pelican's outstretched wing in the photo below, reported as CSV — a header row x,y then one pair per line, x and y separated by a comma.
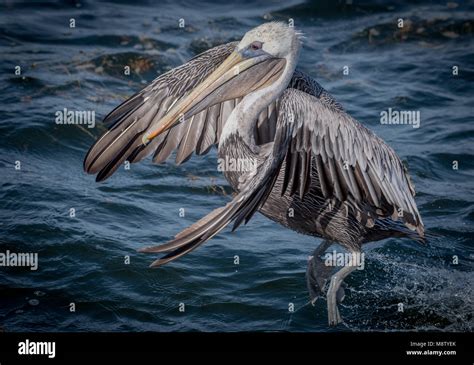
x,y
130,120
253,192
122,141
351,163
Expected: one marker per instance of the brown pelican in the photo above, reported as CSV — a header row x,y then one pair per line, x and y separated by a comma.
x,y
316,170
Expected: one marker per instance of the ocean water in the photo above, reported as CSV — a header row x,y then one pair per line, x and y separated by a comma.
x,y
81,257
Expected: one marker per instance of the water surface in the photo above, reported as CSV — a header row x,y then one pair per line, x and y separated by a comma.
x,y
81,258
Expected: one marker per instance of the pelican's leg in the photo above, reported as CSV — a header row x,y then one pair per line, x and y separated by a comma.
x,y
317,273
334,317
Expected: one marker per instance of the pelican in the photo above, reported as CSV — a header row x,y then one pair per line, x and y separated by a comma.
x,y
315,169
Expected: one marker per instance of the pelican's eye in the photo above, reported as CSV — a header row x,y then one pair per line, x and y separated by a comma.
x,y
255,46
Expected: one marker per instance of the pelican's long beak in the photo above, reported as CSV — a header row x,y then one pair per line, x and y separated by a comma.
x,y
217,88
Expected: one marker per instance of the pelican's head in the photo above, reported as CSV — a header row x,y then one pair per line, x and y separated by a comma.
x,y
276,39
258,61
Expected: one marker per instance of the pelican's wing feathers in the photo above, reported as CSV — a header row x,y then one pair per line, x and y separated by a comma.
x,y
130,120
349,161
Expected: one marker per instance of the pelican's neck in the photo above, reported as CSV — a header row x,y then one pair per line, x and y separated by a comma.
x,y
244,116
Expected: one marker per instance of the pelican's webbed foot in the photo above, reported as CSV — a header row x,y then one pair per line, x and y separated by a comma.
x,y
318,275
321,279
334,292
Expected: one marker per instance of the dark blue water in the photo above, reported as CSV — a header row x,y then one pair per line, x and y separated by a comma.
x,y
81,258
